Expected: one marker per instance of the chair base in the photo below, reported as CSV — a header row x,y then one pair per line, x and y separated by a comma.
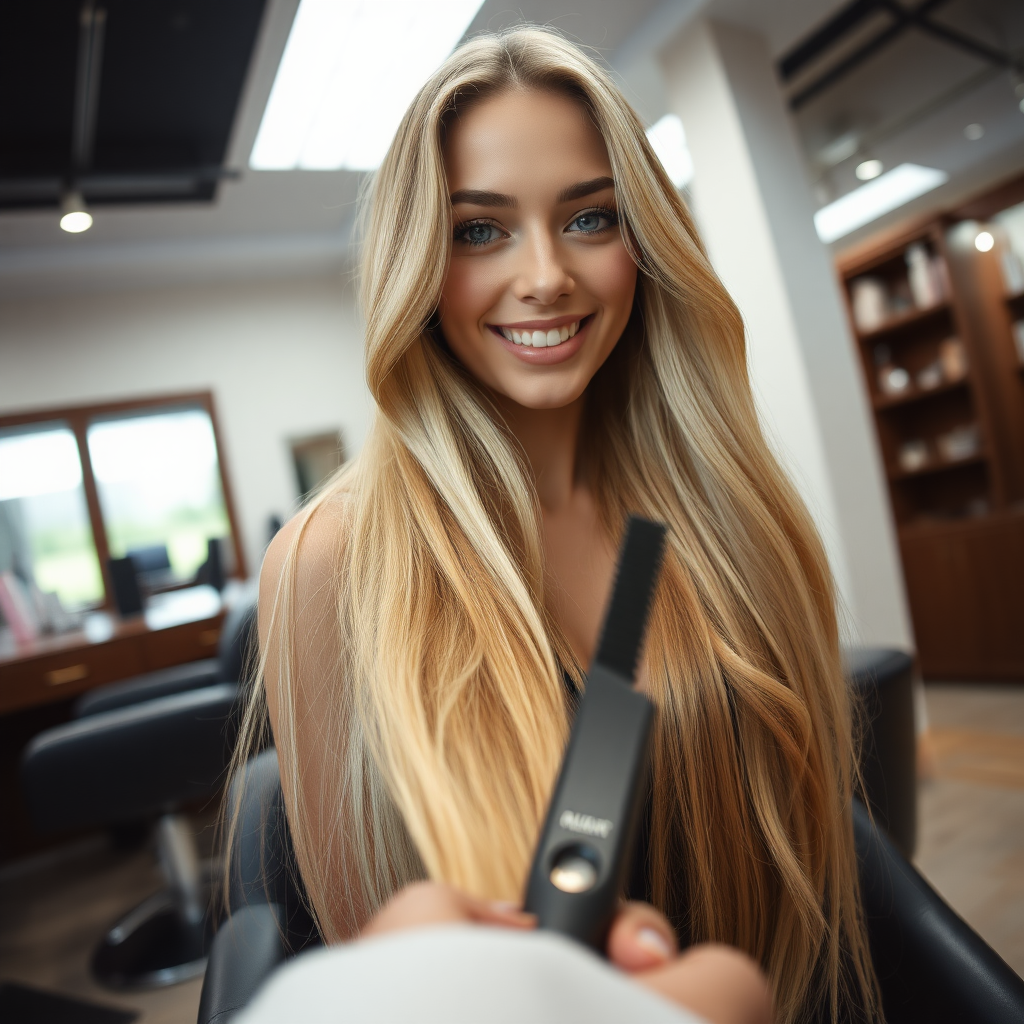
x,y
154,945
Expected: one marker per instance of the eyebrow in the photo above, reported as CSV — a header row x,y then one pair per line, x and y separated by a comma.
x,y
585,188
480,197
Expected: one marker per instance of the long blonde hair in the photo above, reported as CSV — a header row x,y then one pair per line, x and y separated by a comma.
x,y
450,711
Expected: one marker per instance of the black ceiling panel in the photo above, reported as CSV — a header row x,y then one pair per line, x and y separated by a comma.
x,y
170,82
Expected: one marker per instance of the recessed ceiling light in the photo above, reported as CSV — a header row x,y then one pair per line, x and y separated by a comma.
x,y
983,241
869,202
349,71
668,140
868,169
974,132
74,217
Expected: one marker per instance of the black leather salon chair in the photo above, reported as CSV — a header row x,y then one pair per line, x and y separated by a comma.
x,y
932,966
140,751
882,681
267,921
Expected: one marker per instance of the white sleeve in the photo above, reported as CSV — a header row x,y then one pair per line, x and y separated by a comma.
x,y
457,974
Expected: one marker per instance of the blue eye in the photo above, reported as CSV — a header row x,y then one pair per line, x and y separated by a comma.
x,y
478,233
593,222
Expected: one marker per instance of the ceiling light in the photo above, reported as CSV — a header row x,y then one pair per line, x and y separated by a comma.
x,y
974,132
868,169
349,71
74,216
878,197
668,140
983,241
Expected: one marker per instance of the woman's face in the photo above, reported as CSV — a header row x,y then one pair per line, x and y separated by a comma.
x,y
540,285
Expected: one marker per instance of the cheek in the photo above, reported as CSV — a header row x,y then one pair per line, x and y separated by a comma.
x,y
613,278
470,290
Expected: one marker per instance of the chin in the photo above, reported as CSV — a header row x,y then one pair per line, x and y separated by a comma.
x,y
544,397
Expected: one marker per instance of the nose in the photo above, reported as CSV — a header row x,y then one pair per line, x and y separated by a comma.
x,y
542,276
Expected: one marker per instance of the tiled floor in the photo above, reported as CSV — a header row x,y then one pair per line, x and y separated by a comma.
x,y
971,847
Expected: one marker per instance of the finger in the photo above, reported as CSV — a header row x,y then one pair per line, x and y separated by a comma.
x,y
640,938
719,983
500,912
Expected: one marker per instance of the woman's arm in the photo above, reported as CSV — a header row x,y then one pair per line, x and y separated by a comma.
x,y
303,683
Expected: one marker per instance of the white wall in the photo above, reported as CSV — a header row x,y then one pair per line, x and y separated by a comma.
x,y
282,358
753,205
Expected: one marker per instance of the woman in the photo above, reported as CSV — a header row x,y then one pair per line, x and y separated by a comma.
x,y
550,350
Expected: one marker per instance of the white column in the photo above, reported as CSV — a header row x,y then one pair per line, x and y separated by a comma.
x,y
753,205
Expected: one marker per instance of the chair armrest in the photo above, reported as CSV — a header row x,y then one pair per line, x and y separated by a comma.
x,y
931,965
162,683
249,945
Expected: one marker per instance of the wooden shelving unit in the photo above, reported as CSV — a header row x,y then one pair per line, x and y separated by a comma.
x,y
918,394
898,322
1015,312
958,509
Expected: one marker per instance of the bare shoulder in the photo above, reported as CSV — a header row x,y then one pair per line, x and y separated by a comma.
x,y
300,572
314,540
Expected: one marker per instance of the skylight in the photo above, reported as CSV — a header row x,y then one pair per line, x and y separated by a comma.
x,y
349,71
878,197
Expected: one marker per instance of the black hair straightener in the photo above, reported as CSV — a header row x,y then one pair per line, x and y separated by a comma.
x,y
582,859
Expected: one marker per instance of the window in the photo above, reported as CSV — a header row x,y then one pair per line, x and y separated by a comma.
x,y
158,480
45,535
140,479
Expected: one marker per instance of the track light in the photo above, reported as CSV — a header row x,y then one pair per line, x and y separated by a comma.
x,y
75,218
868,169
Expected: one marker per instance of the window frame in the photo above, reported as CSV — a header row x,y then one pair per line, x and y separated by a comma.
x,y
78,417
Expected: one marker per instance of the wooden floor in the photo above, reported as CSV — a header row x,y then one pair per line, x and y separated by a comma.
x,y
971,847
971,810
52,915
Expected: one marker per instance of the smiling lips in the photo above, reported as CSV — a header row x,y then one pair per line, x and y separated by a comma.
x,y
538,338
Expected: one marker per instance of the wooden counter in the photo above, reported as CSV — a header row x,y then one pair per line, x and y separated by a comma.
x,y
179,626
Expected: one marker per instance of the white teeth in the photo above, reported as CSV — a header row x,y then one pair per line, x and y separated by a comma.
x,y
541,339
